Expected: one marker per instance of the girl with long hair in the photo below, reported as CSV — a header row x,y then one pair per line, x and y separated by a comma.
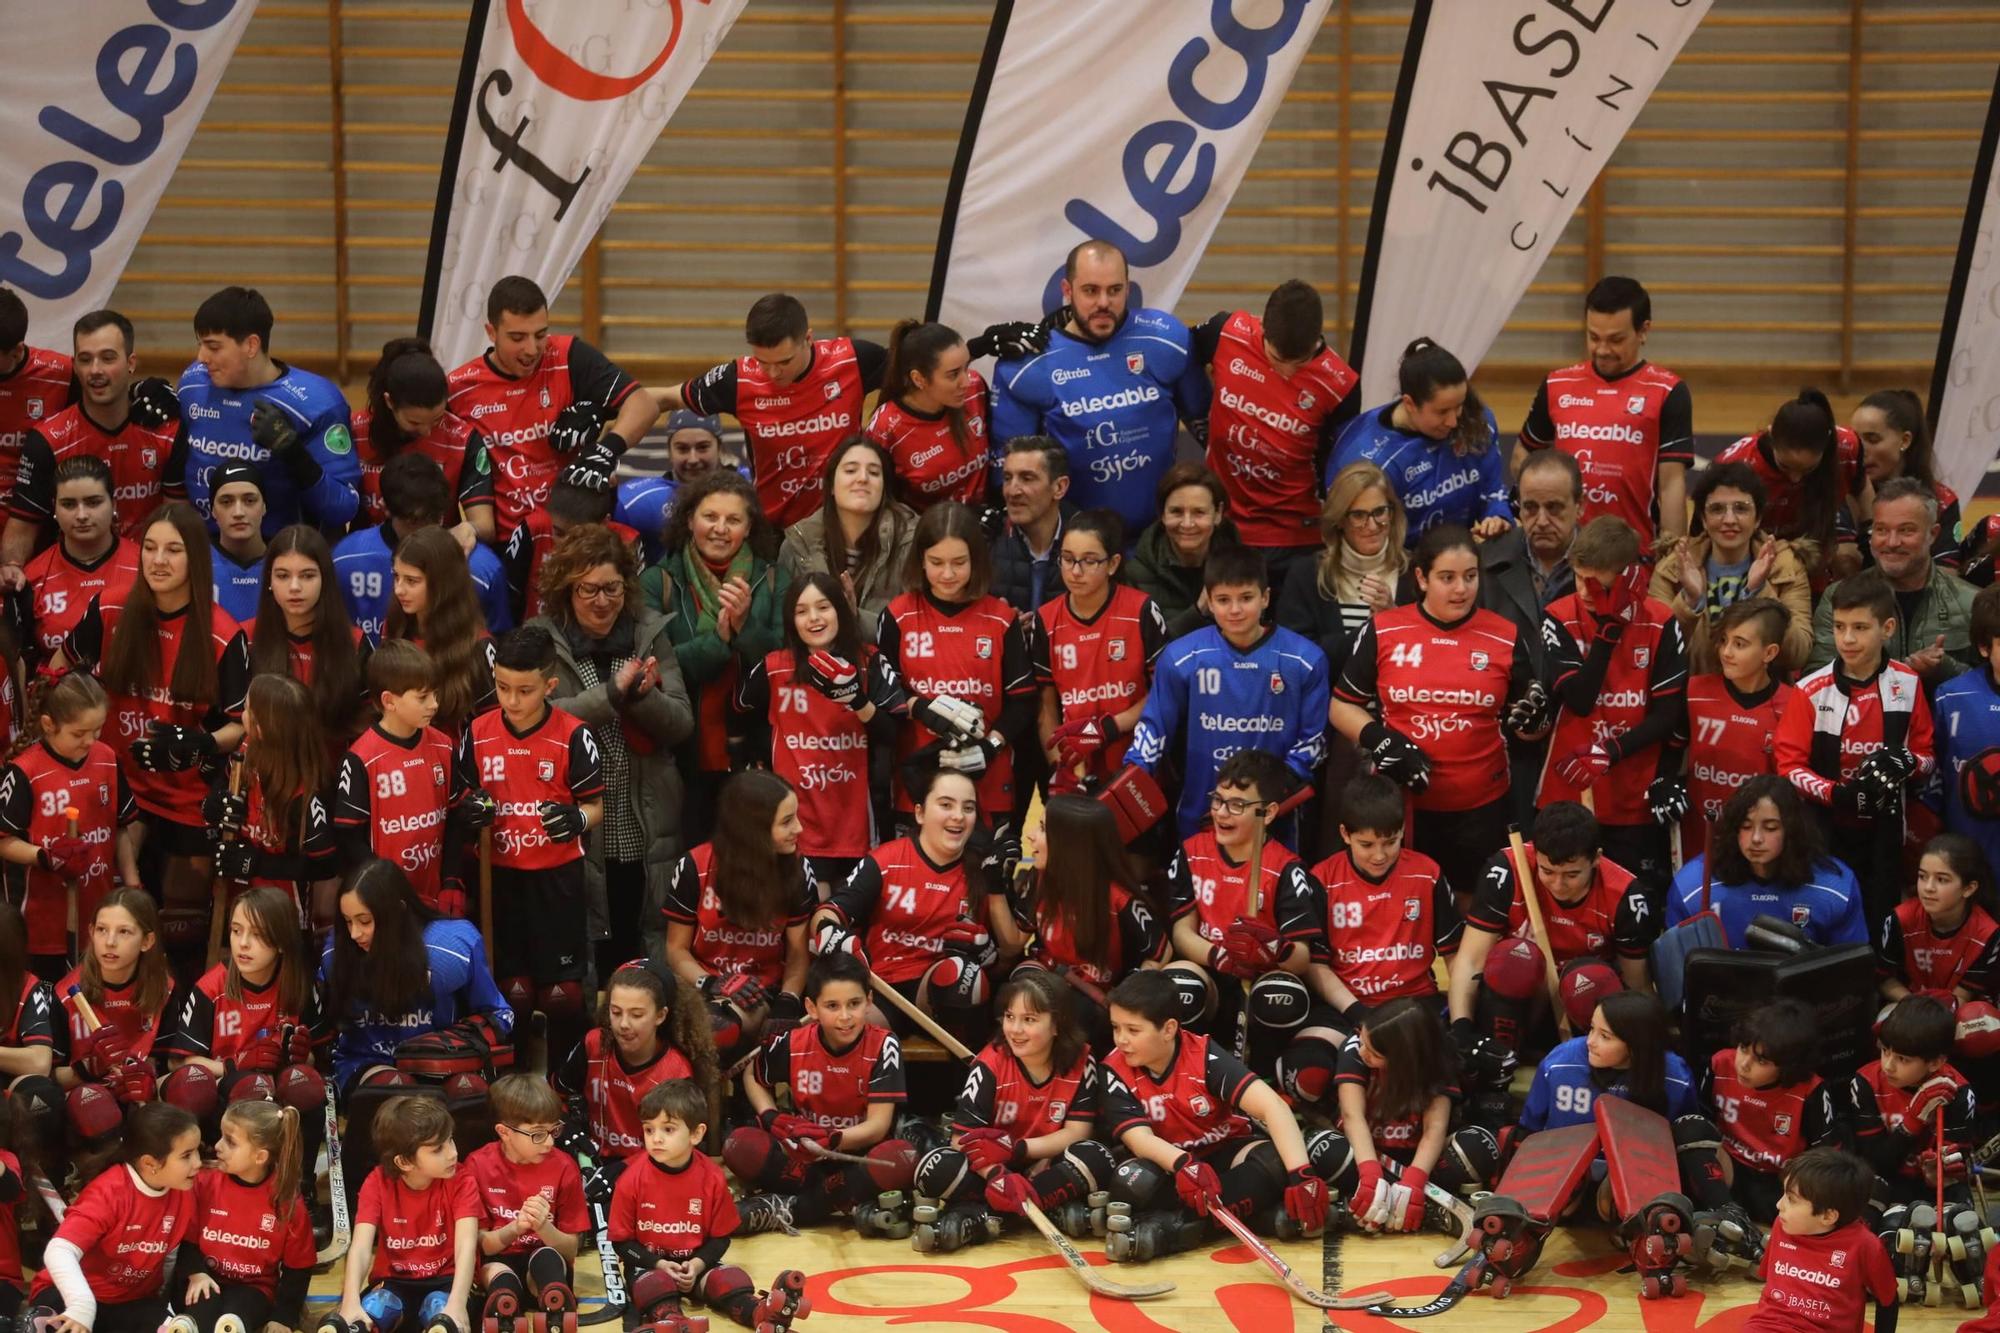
x,y
1812,469
276,831
1768,856
257,1011
860,534
931,416
69,768
409,408
91,556
654,1027
251,1226
303,630
1895,440
814,711
737,910
124,979
1940,942
437,608
1022,1129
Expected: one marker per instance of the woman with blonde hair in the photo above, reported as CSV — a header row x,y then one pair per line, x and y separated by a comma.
x,y
1359,568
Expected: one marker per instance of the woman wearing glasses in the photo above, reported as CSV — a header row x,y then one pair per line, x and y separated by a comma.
x,y
1359,569
1437,444
1729,557
1094,655
617,673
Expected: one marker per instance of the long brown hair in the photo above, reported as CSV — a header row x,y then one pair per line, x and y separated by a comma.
x,y
941,523
1072,889
757,886
834,537
685,1027
286,754
916,346
131,663
1418,1061
406,375
62,701
275,1129
274,918
450,625
336,664
1047,993
393,974
151,975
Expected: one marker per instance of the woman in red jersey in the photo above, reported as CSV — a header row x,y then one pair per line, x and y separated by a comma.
x,y
932,416
91,557
408,410
303,631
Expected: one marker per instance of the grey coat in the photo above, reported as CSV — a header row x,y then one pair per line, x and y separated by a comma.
x,y
666,717
804,552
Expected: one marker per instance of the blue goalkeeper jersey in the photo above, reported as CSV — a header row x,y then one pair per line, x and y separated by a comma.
x,y
217,431
1966,718
1114,406
460,987
1565,1091
1435,485
1211,699
364,565
644,505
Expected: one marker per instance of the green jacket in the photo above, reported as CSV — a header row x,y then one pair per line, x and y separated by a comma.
x,y
703,655
1943,607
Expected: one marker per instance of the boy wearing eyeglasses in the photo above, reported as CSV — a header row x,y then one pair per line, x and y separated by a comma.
x,y
533,1197
1217,941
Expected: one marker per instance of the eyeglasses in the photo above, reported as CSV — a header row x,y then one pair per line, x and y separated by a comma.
x,y
1233,805
1085,562
1379,514
1725,508
601,592
535,1136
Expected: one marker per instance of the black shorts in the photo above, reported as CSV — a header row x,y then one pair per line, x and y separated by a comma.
x,y
517,1264
539,930
169,838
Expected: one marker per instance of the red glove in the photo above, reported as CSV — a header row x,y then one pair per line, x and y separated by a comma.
x,y
1583,766
1364,1193
66,856
1197,1184
100,1054
299,1048
133,1083
262,1054
1305,1199
991,1150
1415,1180
1616,604
1079,740
451,899
1931,1096
1255,947
1006,1192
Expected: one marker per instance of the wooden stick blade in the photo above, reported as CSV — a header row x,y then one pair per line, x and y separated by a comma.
x,y
1300,1288
1090,1277
919,1017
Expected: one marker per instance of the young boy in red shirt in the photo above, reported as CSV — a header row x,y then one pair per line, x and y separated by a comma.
x,y
672,1219
533,1200
1822,1261
416,1227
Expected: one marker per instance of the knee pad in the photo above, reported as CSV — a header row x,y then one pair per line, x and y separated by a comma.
x,y
1514,969
1194,992
432,1306
651,1290
1279,1000
1471,1160
184,927
561,1000
1585,983
441,1053
520,995
1082,1170
301,1088
1263,1157
723,1287
193,1089
1331,1156
942,1172
547,1267
1306,1067
1695,1132
1136,1181
94,1113
957,983
37,1104
752,1154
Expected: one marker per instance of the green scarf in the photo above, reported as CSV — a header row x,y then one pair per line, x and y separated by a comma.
x,y
704,589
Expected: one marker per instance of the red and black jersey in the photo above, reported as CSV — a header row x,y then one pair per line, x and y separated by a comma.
x,y
820,747
1619,431
1914,951
1265,431
1729,741
33,1023
1194,1101
37,790
1880,1108
1648,664
905,900
293,857
555,760
1445,687
1784,498
670,1211
118,1009
136,455
1206,881
1383,935
973,651
1395,1135
1136,936
834,1088
415,1230
299,654
10,1231
723,946
529,545
1763,1128
59,589
126,1232
400,789
1831,724
931,463
31,393
999,1094
454,444
515,415
242,1238
210,1022
1612,921
1101,664
611,1090
504,1186
792,428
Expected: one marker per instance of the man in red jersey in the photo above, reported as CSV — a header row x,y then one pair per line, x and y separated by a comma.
x,y
795,396
35,384
541,398
1628,423
128,423
1277,384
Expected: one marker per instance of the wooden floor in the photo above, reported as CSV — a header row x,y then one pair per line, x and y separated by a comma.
x,y
1018,1285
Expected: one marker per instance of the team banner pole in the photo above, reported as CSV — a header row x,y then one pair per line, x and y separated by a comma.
x,y
1965,382
1083,127
106,96
1503,116
557,104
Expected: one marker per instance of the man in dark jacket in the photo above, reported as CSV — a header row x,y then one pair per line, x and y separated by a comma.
x,y
1034,479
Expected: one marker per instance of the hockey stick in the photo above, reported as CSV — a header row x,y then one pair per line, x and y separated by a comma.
x,y
1459,1209
486,892
74,816
1525,874
616,1302
919,1017
336,1185
51,1198
1940,1268
1080,1266
1463,1281
1253,894
218,914
1300,1288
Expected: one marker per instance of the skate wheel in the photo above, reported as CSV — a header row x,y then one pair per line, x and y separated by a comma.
x,y
1499,1250
1902,1290
1493,1224
489,1325
924,1212
1679,1284
1683,1245
538,1322
1906,1241
1955,1247
569,1321
1930,1293
1668,1221
1502,1284
923,1238
1970,1295
1652,1252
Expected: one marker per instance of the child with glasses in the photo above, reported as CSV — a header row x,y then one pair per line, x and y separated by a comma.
x,y
533,1197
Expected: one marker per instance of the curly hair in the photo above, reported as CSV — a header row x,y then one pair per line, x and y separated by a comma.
x,y
686,1027
577,552
764,536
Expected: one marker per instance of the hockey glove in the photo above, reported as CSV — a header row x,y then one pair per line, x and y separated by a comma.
x,y
134,1083
834,938
738,989
1254,945
65,856
1616,604
262,1054
97,1055
1008,1193
154,402
1362,1203
1931,1097
224,813
271,429
476,809
971,757
1864,801
1489,1062
1305,1199
1583,766
235,861
1081,741
1884,772
575,427
1412,1219
954,719
1529,713
836,678
1667,798
1007,341
990,1150
593,470
168,748
1197,1184
563,823
1395,756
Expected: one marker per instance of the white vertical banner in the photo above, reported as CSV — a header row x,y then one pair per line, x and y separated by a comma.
x,y
102,99
1965,384
1505,112
558,103
1085,126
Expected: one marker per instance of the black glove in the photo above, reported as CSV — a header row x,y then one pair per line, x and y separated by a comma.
x,y
594,469
575,1140
1482,1057
787,1011
169,748
1884,772
475,810
1014,339
270,428
154,402
235,860
1527,714
563,823
1356,1014
224,813
1396,756
1667,798
1862,800
576,426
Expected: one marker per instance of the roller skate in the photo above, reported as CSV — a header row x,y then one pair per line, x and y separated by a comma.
x,y
180,1323
669,1319
558,1312
759,1213
432,1316
886,1216
501,1309
1133,1238
1725,1238
229,1323
943,1230
1082,1219
1967,1243
784,1302
1508,1240
1910,1250
1661,1241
